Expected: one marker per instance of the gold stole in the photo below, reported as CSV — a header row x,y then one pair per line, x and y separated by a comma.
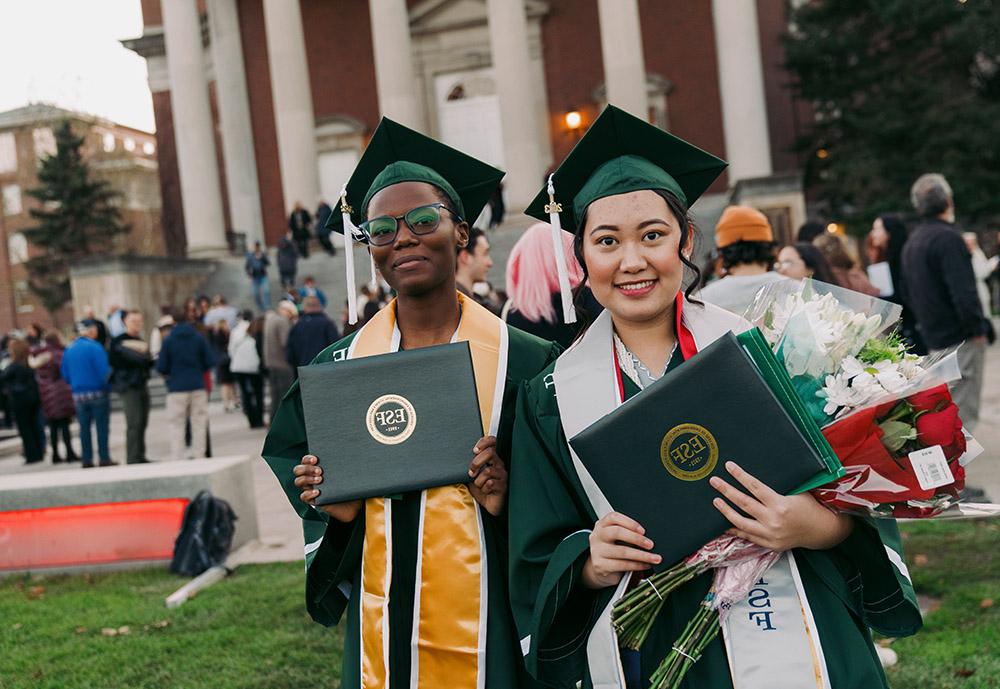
x,y
448,643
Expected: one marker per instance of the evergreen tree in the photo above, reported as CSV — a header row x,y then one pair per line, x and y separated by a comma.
x,y
899,88
77,218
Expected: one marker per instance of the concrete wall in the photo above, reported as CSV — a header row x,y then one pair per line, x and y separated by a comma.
x,y
142,283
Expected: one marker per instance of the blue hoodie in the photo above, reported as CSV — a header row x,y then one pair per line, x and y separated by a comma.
x,y
85,366
184,358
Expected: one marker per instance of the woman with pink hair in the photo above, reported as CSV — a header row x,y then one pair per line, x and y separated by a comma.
x,y
534,304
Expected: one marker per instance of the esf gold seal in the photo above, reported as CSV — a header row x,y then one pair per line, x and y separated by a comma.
x,y
391,419
689,452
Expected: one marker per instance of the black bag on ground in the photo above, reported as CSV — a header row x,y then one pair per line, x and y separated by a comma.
x,y
206,535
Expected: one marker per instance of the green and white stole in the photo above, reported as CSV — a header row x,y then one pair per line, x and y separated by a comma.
x,y
786,656
448,640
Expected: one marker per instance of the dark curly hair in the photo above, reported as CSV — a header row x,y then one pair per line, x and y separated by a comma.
x,y
741,252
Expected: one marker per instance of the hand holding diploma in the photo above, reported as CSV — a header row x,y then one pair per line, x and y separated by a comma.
x,y
489,476
308,475
776,521
617,545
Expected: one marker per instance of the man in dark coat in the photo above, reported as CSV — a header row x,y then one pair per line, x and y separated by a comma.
x,y
288,261
184,359
940,287
299,224
130,365
322,231
313,333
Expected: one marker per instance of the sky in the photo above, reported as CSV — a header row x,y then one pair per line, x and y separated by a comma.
x,y
67,52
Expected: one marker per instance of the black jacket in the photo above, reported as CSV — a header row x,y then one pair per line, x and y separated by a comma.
x,y
309,336
130,368
940,287
288,255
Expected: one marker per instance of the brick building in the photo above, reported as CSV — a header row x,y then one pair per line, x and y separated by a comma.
x,y
261,103
123,156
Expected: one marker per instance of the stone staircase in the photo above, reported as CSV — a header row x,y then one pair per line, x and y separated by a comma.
x,y
230,280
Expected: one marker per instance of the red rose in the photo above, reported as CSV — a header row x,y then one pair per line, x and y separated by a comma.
x,y
930,400
942,428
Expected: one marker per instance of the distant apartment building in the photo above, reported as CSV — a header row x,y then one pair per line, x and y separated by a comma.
x,y
123,156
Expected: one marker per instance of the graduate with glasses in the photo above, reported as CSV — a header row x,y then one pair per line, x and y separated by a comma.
x,y
624,191
419,578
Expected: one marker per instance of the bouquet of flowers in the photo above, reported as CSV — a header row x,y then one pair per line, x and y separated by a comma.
x,y
886,413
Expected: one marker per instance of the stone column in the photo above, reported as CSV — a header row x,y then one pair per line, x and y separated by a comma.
x,y
621,48
204,222
741,86
293,106
511,63
394,77
234,116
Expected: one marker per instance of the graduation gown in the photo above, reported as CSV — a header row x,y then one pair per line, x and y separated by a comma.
x,y
333,549
860,584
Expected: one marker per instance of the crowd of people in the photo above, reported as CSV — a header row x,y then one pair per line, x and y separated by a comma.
x,y
938,274
206,343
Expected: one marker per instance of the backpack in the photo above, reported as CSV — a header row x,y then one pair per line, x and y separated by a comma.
x,y
206,535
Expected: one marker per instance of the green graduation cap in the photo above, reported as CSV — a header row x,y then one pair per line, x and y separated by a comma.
x,y
622,153
399,154
618,154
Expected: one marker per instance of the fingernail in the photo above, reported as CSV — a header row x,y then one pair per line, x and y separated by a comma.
x,y
731,467
717,502
657,558
649,544
715,482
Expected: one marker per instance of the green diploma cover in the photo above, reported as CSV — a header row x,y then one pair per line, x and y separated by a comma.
x,y
733,401
387,424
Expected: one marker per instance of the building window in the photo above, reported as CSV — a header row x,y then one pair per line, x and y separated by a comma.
x,y
22,297
45,142
17,248
8,152
149,148
109,143
12,199
129,144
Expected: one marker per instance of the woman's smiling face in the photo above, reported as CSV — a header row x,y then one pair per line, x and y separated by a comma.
x,y
631,245
416,264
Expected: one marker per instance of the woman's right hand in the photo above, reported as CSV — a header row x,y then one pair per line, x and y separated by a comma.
x,y
308,475
617,545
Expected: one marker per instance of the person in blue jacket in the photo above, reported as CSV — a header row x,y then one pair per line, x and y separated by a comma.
x,y
185,360
85,367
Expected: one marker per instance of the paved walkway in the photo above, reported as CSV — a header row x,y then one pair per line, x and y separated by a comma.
x,y
280,533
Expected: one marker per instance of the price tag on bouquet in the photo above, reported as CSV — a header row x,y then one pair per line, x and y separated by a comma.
x,y
931,468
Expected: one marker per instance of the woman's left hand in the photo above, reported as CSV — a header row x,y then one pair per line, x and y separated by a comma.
x,y
489,476
776,521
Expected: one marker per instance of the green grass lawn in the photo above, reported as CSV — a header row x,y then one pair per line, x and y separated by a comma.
x,y
959,646
252,631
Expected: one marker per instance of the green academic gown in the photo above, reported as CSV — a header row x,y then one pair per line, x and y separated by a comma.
x,y
333,548
851,588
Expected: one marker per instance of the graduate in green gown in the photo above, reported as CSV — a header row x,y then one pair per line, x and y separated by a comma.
x,y
624,191
421,577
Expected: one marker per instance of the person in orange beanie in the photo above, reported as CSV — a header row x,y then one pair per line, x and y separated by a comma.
x,y
746,245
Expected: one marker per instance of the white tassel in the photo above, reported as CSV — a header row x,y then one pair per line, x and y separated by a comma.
x,y
566,292
373,283
349,230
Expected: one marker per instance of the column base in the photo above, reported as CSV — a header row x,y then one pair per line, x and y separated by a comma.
x,y
208,252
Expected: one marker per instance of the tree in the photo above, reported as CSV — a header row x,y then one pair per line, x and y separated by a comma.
x,y
899,88
77,218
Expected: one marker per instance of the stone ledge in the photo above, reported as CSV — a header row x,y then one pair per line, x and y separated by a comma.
x,y
228,478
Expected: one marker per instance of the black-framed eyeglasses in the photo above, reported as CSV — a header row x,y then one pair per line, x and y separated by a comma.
x,y
382,231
